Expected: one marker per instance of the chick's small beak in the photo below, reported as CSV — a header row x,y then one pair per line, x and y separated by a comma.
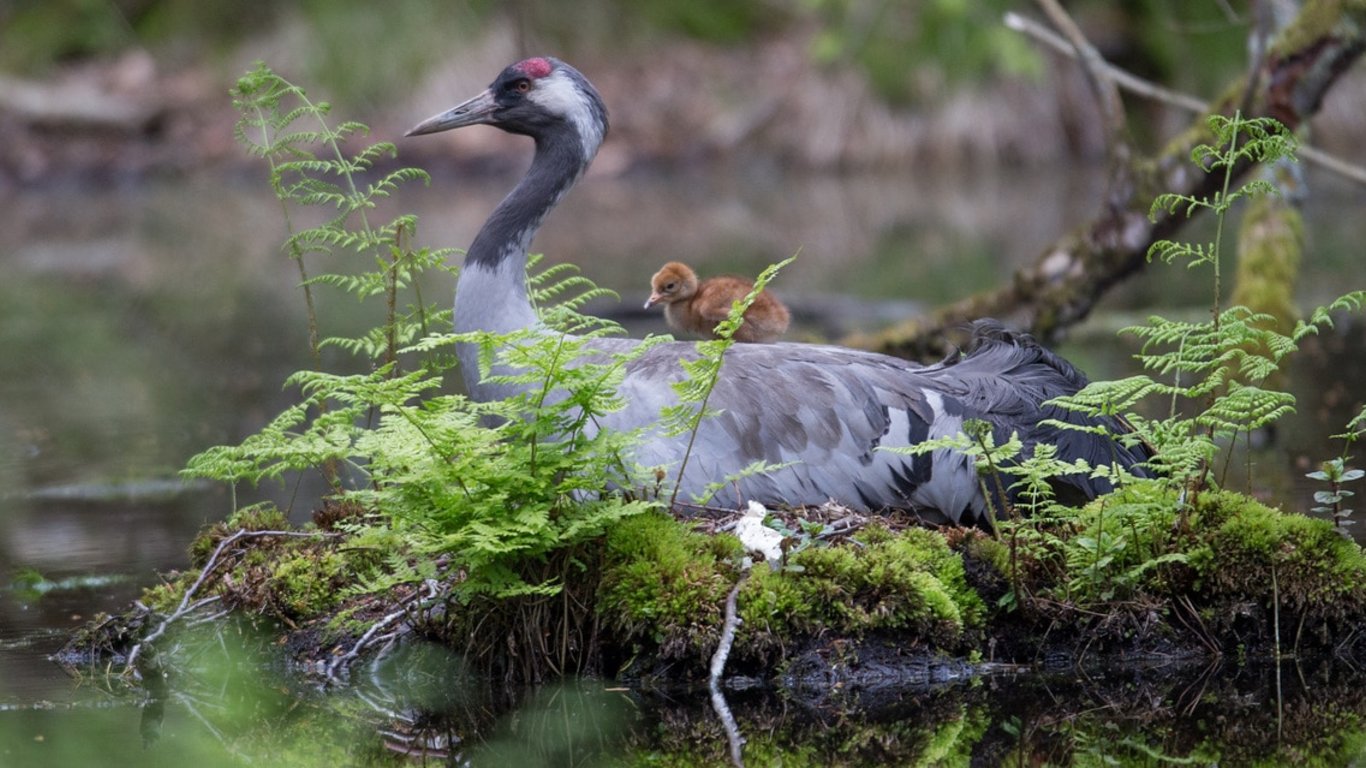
x,y
654,299
476,111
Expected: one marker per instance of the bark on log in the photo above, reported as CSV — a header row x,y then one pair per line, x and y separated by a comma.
x,y
1064,284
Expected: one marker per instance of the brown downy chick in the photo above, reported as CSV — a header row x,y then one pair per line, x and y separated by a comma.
x,y
696,307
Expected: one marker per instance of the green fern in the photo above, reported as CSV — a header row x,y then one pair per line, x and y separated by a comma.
x,y
1207,379
429,465
1210,375
310,169
493,487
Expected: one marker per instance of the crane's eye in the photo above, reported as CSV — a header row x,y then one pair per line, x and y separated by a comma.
x,y
522,86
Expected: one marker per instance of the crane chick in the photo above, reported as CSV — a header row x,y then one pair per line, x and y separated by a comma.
x,y
696,307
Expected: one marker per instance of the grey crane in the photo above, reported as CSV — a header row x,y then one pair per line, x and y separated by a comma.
x,y
822,411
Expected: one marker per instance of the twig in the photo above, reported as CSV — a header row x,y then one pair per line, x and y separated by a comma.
x,y
733,737
704,507
1276,615
371,635
1150,90
718,667
1097,73
211,617
1122,78
718,659
1185,609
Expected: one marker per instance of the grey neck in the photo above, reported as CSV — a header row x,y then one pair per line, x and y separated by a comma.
x,y
491,294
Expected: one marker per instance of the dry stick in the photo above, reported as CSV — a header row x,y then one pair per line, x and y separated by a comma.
x,y
718,666
1097,73
185,607
1150,90
369,636
733,737
718,659
704,507
1276,614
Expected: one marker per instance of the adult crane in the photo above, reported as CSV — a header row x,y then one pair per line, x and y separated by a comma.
x,y
823,412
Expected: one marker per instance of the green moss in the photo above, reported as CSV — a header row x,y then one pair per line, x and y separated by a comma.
x,y
989,551
258,517
1132,547
665,584
1318,21
309,581
909,582
1270,244
1247,545
163,598
875,534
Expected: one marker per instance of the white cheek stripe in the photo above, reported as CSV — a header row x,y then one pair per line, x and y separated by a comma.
x,y
559,95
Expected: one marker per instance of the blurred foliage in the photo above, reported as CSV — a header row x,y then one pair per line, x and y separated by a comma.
x,y
1194,46
720,21
362,54
909,51
35,35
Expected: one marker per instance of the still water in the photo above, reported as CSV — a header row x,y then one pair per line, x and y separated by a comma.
x,y
142,322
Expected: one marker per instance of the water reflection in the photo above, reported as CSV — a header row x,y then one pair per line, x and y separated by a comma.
x,y
232,700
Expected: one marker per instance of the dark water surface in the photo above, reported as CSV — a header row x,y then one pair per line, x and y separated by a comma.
x,y
143,322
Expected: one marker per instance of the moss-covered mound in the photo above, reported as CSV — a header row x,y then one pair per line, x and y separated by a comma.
x,y
1133,573
1139,571
664,587
1247,551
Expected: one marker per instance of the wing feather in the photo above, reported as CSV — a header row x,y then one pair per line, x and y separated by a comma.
x,y
827,411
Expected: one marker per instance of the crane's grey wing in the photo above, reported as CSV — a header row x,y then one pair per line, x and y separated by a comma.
x,y
824,414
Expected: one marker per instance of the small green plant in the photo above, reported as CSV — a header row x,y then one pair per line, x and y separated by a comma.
x,y
1335,472
807,534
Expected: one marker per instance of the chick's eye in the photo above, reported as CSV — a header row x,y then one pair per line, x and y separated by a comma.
x,y
669,286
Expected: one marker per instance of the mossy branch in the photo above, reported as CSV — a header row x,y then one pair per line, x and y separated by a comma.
x,y
1071,275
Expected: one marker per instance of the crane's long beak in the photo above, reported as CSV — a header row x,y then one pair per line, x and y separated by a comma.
x,y
473,112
